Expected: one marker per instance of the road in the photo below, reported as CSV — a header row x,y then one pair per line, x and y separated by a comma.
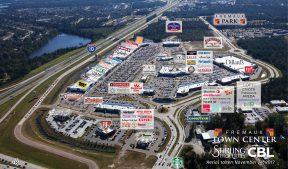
x,y
14,90
120,36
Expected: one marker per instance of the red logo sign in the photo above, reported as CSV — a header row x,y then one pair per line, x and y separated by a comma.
x,y
216,21
243,21
218,132
270,132
248,69
105,124
206,108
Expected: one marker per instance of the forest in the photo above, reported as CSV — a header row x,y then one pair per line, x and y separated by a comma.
x,y
192,31
272,50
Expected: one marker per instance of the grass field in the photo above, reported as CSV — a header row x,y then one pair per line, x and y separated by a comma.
x,y
5,106
10,146
132,159
31,130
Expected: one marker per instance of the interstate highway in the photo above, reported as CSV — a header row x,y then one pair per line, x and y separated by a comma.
x,y
127,32
14,90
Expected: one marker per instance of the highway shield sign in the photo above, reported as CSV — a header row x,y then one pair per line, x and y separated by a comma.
x,y
91,48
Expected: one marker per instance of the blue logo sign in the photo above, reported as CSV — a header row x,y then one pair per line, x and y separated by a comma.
x,y
174,27
198,118
91,48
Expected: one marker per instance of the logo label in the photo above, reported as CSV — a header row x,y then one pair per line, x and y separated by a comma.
x,y
174,26
198,118
217,99
218,132
249,69
105,124
248,95
213,43
125,88
230,19
139,39
93,100
199,62
270,132
177,163
139,119
81,84
71,96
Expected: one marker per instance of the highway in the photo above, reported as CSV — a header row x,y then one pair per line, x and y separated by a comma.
x,y
14,90
105,45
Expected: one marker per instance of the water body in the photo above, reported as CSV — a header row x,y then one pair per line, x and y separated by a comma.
x,y
61,41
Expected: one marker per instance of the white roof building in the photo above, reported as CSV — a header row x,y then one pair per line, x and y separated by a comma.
x,y
116,106
278,102
233,63
172,71
281,109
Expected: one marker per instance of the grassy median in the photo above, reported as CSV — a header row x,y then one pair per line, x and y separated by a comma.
x,y
11,146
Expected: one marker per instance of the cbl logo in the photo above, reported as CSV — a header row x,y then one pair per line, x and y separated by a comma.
x,y
260,152
91,48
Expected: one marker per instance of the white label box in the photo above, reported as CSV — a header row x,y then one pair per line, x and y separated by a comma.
x,y
248,95
217,99
138,119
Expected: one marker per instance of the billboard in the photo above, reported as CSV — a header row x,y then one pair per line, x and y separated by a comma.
x,y
93,100
199,62
174,26
217,99
230,19
248,95
125,88
138,119
213,43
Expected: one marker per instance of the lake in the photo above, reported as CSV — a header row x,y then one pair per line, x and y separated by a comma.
x,y
61,41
